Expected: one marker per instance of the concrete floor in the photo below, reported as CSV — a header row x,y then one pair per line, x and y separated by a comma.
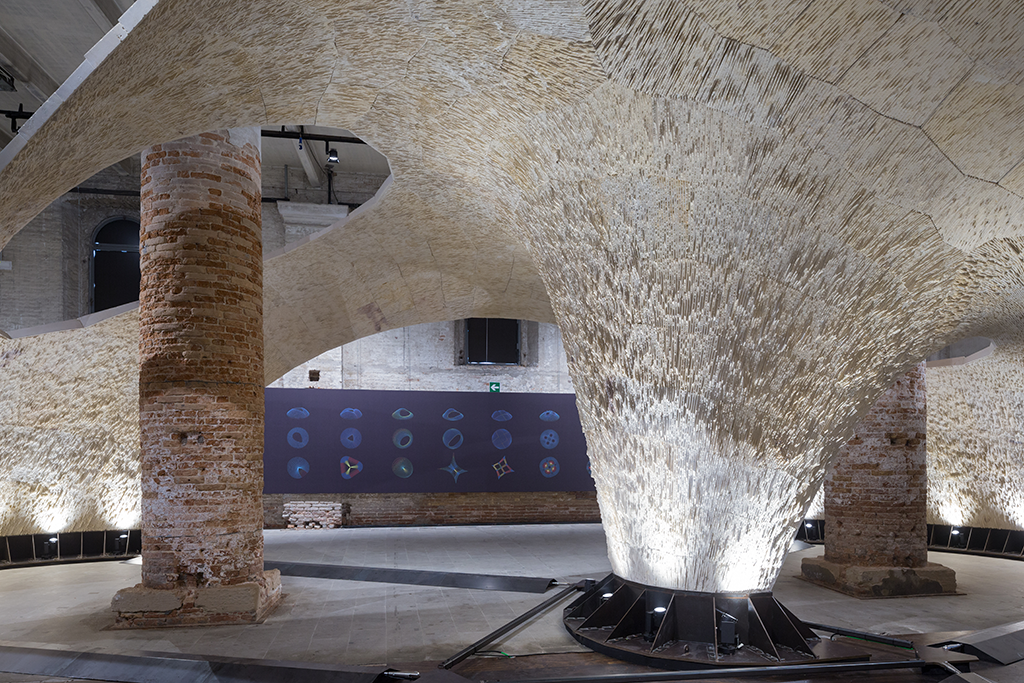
x,y
354,623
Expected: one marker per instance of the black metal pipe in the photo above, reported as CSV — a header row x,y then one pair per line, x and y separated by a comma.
x,y
870,637
734,672
296,135
100,190
497,633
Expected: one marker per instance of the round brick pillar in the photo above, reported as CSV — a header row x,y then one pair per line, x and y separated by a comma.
x,y
201,386
876,503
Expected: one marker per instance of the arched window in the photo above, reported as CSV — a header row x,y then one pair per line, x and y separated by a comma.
x,y
115,264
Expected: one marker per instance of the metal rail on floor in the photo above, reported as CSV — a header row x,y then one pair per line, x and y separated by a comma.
x,y
521,619
799,670
870,637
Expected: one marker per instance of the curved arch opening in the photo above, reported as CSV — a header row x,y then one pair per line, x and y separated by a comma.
x,y
962,352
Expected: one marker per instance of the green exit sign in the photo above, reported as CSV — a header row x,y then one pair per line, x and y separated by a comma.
x,y
494,387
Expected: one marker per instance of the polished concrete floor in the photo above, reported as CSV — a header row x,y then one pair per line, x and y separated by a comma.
x,y
358,623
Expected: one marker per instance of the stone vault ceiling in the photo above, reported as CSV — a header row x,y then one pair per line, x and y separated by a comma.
x,y
919,103
748,218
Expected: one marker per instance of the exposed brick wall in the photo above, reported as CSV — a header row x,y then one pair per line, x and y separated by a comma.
x,y
50,276
421,509
201,353
876,491
30,293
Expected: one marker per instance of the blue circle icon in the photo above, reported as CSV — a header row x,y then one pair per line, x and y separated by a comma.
x,y
501,439
402,467
350,438
299,413
402,438
549,467
452,439
351,414
298,437
298,468
549,438
549,416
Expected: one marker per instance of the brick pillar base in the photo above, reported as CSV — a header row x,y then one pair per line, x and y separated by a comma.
x,y
201,387
880,582
875,504
241,603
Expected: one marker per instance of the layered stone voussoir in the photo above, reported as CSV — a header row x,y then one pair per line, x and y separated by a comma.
x,y
749,218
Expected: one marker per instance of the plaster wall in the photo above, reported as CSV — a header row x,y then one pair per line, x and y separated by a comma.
x,y
422,358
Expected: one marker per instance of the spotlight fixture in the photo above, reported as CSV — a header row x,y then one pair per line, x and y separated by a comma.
x,y
653,617
49,549
955,532
332,156
728,633
6,81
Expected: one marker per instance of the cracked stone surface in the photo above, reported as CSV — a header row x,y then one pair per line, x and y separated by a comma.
x,y
747,218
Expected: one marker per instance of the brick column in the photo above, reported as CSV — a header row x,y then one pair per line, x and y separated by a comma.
x,y
876,503
201,386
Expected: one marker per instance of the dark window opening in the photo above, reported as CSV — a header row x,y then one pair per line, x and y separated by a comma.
x,y
115,265
314,375
492,341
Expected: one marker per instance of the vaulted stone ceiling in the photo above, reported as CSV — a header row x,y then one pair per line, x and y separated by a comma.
x,y
749,217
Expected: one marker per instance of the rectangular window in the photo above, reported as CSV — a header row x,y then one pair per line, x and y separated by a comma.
x,y
492,341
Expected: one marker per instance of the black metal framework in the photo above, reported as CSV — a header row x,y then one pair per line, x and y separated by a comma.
x,y
946,538
75,546
684,630
502,630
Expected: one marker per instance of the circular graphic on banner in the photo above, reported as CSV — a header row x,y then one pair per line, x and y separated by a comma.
x,y
350,438
350,467
298,468
549,467
298,413
298,437
452,415
549,416
549,438
501,416
351,414
452,439
402,438
402,467
501,439
402,414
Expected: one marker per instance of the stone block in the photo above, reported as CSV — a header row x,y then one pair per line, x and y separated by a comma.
x,y
880,582
141,599
242,597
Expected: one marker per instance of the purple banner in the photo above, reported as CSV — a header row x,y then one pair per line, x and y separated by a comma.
x,y
343,441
